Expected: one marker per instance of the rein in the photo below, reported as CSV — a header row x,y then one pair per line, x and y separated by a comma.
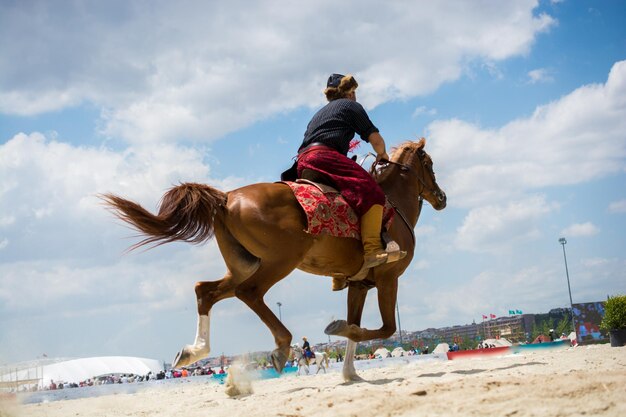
x,y
405,168
403,217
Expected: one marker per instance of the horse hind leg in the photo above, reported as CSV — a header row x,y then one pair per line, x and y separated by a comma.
x,y
348,372
207,294
252,291
241,264
320,365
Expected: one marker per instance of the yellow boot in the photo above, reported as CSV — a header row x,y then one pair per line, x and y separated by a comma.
x,y
373,252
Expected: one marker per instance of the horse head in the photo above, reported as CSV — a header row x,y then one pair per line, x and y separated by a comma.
x,y
410,168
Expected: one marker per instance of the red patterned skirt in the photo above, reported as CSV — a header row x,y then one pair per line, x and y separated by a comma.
x,y
354,183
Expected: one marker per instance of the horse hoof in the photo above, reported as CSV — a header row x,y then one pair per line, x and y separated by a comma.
x,y
353,377
180,357
183,358
278,360
336,327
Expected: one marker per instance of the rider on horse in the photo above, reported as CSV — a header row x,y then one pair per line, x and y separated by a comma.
x,y
306,348
324,151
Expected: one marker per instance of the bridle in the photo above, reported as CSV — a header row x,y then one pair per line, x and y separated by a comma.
x,y
440,195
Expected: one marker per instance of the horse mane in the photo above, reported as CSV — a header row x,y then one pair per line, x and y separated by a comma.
x,y
403,154
406,150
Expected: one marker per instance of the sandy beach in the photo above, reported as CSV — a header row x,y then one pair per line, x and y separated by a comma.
x,y
586,380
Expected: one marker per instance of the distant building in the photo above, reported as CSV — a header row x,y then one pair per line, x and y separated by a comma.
x,y
464,332
514,328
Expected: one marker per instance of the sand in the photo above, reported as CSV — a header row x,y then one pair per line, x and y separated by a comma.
x,y
586,380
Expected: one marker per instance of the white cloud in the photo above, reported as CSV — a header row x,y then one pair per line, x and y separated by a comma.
x,y
420,264
595,262
580,230
6,220
575,139
493,70
618,206
493,228
49,186
425,230
423,110
540,75
530,289
197,70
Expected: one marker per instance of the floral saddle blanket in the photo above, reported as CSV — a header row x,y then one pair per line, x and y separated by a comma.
x,y
328,213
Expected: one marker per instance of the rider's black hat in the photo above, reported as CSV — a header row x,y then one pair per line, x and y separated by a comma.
x,y
334,80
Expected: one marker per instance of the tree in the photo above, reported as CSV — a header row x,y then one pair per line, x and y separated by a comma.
x,y
543,327
564,326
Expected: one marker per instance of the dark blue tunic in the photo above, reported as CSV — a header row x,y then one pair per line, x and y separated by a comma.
x,y
335,124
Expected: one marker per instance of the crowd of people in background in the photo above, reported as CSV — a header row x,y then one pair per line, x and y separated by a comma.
x,y
131,378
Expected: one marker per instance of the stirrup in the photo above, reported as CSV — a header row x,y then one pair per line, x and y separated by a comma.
x,y
394,253
378,258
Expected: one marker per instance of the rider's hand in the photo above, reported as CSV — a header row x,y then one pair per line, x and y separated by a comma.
x,y
382,157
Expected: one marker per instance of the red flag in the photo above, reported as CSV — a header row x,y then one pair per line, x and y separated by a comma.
x,y
354,144
484,317
493,316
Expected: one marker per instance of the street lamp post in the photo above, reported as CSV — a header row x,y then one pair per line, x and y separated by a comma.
x,y
562,241
399,325
280,316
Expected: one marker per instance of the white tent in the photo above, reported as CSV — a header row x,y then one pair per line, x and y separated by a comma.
x,y
498,342
442,348
78,370
397,352
382,353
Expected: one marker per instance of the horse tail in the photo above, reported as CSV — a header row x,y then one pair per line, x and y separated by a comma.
x,y
187,212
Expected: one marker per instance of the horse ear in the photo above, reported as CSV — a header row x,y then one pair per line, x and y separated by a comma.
x,y
421,143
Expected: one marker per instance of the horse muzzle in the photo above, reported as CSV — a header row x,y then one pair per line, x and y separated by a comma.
x,y
441,200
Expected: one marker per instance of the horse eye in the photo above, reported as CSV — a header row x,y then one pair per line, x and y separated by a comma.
x,y
404,169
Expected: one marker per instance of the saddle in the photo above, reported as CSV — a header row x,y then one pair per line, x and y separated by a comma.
x,y
328,213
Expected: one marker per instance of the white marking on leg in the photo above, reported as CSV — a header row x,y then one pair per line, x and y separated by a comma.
x,y
201,348
202,334
348,372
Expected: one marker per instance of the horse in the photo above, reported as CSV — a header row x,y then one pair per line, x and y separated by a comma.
x,y
321,360
261,233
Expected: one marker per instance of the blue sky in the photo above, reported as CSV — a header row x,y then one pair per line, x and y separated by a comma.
x,y
522,104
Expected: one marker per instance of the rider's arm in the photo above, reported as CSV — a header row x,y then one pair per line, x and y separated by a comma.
x,y
378,143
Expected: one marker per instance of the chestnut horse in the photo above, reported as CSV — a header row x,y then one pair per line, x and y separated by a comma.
x,y
260,231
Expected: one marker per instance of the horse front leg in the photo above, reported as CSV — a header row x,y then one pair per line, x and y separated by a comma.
x,y
357,293
387,295
207,294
